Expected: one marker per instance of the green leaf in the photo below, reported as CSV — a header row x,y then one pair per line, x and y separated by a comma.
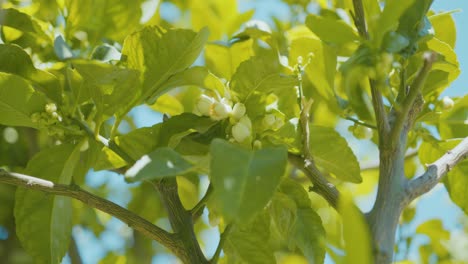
x,y
299,223
331,30
16,61
444,27
18,20
223,60
444,71
198,76
453,123
112,88
260,74
389,20
167,134
244,181
339,159
102,18
249,244
18,101
434,229
158,54
43,221
309,235
168,104
163,162
413,23
355,232
222,17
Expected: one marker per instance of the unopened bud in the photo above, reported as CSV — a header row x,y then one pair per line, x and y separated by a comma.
x,y
50,108
240,132
238,111
447,103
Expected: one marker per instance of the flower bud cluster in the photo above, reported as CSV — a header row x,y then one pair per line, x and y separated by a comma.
x,y
52,120
223,109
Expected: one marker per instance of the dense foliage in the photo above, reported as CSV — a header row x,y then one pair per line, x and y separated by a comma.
x,y
248,121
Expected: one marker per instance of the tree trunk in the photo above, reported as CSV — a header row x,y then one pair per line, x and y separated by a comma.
x,y
384,217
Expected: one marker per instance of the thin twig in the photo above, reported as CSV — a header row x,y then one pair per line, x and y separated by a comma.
x,y
220,246
359,122
197,210
132,220
436,171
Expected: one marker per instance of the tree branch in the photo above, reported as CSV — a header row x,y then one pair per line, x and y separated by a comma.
x,y
374,165
436,171
181,222
197,210
411,97
321,185
132,220
220,246
377,101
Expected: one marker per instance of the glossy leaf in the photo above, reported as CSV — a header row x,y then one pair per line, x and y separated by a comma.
x,y
111,88
389,19
18,101
15,60
163,162
244,181
43,221
167,134
223,60
168,104
158,54
453,123
222,17
338,159
102,18
299,223
256,76
198,76
21,21
250,243
444,27
331,30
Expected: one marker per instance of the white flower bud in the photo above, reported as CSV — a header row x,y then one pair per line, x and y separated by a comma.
x,y
50,108
246,121
204,104
269,120
447,103
240,132
220,111
238,111
257,144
